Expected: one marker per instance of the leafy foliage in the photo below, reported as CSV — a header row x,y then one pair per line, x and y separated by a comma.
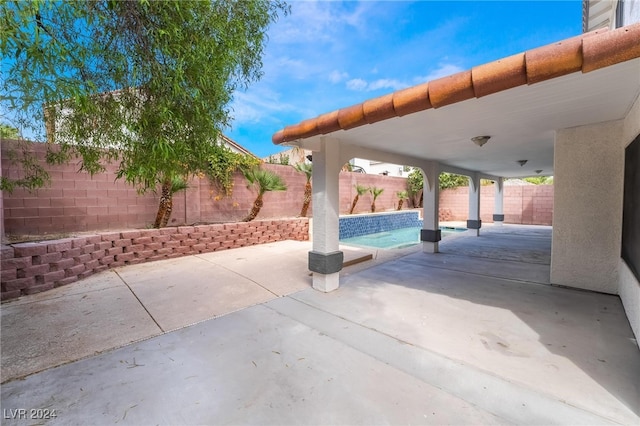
x,y
224,163
145,83
9,132
539,180
450,180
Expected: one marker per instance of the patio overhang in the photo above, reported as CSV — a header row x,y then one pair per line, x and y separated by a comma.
x,y
520,101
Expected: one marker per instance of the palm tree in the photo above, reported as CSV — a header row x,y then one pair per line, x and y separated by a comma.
x,y
361,190
169,187
375,192
263,181
307,169
402,195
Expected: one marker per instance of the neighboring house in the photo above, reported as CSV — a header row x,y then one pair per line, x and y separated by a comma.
x,y
234,146
570,109
298,155
53,126
609,14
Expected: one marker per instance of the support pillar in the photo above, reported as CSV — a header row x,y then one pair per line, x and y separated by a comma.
x,y
325,259
474,222
430,235
498,209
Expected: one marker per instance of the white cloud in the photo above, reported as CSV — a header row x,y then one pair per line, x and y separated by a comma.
x,y
386,83
357,84
254,106
443,70
319,21
360,85
336,76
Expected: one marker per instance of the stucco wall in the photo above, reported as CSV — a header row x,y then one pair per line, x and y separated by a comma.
x,y
588,180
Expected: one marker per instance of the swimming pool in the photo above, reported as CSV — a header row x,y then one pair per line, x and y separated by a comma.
x,y
396,238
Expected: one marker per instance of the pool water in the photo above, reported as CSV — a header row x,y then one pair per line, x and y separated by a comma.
x,y
395,239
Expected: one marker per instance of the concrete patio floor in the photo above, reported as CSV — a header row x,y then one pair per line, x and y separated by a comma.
x,y
473,335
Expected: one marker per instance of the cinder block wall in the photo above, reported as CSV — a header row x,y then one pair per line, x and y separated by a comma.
x,y
388,200
76,201
29,268
528,204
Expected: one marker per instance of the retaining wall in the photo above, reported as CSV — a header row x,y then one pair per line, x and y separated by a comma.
x,y
29,268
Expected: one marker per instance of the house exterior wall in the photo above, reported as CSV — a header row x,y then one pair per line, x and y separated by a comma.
x,y
587,232
628,284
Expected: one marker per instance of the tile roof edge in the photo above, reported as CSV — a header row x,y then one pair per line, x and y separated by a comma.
x,y
586,52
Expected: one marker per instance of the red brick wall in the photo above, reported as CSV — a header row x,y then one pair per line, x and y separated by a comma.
x,y
527,204
29,268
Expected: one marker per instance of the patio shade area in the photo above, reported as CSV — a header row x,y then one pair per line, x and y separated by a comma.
x,y
446,338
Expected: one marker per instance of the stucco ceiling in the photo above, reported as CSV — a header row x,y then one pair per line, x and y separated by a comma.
x,y
521,122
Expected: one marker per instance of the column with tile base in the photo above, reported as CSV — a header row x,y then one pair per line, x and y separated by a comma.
x,y
430,234
325,259
474,222
498,210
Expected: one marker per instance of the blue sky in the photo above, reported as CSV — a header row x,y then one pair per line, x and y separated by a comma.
x,y
327,55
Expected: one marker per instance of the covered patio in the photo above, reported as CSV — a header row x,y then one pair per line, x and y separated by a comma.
x,y
569,109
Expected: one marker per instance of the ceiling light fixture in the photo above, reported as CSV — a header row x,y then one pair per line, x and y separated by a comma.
x,y
480,140
539,171
522,162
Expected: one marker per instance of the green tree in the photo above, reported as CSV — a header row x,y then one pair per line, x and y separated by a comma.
x,y
451,180
307,169
145,83
166,201
9,132
402,195
262,181
376,192
360,191
539,180
415,183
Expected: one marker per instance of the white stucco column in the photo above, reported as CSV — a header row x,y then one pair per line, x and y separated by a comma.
x,y
498,209
474,222
430,234
325,259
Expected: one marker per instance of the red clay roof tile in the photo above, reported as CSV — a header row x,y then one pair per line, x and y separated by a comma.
x,y
379,109
611,48
350,117
451,89
587,52
499,75
412,99
554,60
328,122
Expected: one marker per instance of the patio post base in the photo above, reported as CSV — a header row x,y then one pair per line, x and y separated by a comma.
x,y
326,282
430,247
